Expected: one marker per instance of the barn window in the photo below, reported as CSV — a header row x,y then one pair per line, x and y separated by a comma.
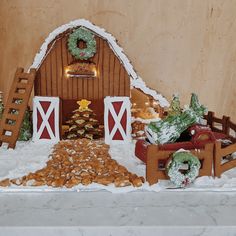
x,y
81,70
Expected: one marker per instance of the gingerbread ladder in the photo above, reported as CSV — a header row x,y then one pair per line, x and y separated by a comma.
x,y
16,106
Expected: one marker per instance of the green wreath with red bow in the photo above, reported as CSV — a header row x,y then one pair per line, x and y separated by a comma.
x,y
83,35
173,168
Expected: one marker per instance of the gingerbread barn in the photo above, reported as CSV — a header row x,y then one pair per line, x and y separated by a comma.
x,y
78,61
107,73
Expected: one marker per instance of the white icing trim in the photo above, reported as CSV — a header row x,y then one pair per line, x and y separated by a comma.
x,y
144,121
136,81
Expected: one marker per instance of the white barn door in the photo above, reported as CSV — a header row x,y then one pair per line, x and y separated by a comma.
x,y
46,119
117,120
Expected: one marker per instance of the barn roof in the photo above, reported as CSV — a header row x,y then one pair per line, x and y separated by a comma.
x,y
136,81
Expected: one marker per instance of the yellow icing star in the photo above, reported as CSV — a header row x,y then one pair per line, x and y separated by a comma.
x,y
83,104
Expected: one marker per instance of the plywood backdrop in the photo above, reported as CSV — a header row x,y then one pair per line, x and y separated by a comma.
x,y
175,45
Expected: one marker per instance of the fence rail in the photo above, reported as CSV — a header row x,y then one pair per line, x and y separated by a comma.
x,y
227,126
220,153
222,162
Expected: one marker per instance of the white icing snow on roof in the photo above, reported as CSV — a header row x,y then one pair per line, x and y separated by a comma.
x,y
136,81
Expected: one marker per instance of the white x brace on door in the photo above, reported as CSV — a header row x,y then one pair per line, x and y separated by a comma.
x,y
117,120
46,119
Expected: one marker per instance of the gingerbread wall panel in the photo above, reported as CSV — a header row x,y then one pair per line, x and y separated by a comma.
x,y
111,79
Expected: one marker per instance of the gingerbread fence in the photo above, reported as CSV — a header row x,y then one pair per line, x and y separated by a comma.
x,y
157,159
215,158
223,159
222,125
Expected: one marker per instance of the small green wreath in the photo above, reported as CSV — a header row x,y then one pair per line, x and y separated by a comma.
x,y
173,168
86,36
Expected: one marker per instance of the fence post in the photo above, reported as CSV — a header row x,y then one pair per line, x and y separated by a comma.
x,y
217,159
225,125
152,164
209,118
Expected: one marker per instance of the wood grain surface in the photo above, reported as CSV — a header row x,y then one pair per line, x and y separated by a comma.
x,y
179,46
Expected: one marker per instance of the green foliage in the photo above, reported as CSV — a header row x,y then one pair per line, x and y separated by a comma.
x,y
175,108
169,129
26,127
196,106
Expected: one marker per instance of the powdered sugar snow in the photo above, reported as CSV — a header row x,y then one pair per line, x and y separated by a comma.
x,y
28,157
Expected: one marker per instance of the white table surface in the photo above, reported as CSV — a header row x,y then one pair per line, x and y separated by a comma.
x,y
104,213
